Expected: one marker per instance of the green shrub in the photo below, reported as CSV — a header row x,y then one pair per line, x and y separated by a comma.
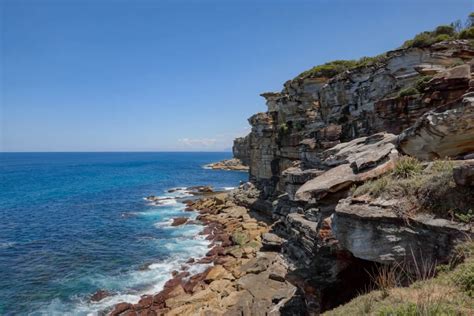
x,y
422,83
464,278
466,218
407,92
442,38
445,30
407,167
283,128
423,39
368,61
467,33
328,70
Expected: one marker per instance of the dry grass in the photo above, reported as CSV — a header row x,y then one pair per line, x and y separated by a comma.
x,y
449,293
387,277
430,190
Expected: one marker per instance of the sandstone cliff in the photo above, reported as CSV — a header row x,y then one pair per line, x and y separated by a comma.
x,y
323,137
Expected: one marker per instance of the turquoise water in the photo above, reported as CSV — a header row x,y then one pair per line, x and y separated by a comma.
x,y
75,223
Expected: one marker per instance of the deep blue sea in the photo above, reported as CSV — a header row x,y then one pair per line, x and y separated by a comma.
x,y
75,223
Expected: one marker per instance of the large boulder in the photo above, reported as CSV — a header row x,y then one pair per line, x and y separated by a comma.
x,y
357,161
445,132
372,230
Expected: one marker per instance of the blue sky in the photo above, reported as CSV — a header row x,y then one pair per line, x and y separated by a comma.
x,y
142,75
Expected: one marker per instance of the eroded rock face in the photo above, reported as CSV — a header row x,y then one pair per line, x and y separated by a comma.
x,y
312,115
356,161
445,132
372,230
321,136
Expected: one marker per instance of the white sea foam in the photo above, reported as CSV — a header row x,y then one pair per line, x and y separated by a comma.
x,y
184,244
228,188
163,224
166,201
4,245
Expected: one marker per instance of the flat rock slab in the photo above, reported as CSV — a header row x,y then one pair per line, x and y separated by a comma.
x,y
339,178
263,288
362,153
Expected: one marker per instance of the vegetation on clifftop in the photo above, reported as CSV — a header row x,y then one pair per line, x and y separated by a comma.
x,y
456,30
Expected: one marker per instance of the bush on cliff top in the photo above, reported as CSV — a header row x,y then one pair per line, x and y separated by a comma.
x,y
423,39
329,69
442,33
467,33
333,68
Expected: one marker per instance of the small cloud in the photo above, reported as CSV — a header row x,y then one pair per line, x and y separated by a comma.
x,y
207,142
222,141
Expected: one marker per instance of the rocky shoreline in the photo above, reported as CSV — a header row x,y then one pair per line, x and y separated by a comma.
x,y
233,164
349,176
246,273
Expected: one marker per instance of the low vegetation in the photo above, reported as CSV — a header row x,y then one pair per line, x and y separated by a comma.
x,y
428,188
407,92
456,30
328,70
450,292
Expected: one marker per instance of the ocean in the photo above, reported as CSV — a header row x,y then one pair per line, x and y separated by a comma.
x,y
75,223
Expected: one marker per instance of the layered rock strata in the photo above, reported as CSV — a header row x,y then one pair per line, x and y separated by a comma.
x,y
322,137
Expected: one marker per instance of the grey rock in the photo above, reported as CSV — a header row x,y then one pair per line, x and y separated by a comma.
x,y
373,231
464,174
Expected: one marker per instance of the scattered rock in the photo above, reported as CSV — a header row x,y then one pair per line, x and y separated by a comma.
x,y
179,221
99,295
464,174
271,241
120,308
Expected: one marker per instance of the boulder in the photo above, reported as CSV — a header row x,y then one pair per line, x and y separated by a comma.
x,y
271,241
265,289
120,308
464,174
372,230
179,221
355,161
218,272
100,295
340,178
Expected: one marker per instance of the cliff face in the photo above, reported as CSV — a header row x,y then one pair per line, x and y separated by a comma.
x,y
313,114
320,137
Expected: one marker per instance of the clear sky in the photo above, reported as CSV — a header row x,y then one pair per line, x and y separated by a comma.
x,y
143,75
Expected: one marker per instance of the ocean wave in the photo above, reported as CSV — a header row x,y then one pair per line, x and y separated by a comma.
x,y
185,243
164,224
